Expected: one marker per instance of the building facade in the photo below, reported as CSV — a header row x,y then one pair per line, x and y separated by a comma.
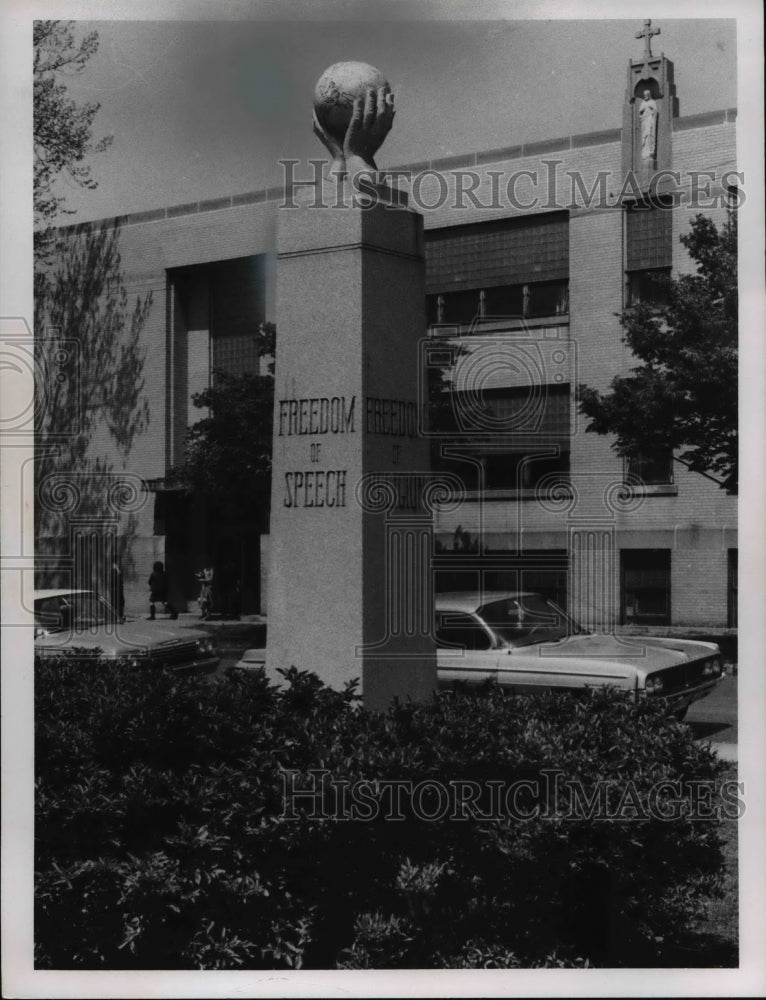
x,y
531,253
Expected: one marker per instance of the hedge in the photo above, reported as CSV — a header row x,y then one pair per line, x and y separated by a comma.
x,y
166,838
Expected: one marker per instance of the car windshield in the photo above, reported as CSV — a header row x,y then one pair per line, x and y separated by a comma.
x,y
63,612
527,619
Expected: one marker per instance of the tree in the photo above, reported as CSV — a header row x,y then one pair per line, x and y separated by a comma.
x,y
682,398
90,401
89,392
63,130
228,453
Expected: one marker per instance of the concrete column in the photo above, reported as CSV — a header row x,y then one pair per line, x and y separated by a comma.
x,y
350,318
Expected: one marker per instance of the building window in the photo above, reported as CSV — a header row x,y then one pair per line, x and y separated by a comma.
x,y
650,469
456,308
503,268
645,586
649,235
504,300
503,251
236,355
648,287
649,251
524,471
237,307
499,302
547,298
508,439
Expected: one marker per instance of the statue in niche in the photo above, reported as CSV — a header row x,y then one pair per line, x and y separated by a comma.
x,y
647,116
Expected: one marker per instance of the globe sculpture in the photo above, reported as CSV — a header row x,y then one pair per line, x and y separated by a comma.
x,y
336,92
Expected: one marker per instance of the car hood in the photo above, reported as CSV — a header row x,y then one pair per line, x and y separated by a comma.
x,y
614,656
120,640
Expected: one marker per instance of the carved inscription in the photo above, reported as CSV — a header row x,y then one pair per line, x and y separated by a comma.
x,y
320,415
315,488
392,417
317,415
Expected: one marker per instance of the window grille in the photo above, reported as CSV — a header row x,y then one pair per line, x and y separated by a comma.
x,y
649,234
505,252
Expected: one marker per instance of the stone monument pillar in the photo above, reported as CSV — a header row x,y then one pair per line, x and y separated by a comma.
x,y
350,469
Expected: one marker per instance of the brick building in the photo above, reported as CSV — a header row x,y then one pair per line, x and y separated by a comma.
x,y
531,251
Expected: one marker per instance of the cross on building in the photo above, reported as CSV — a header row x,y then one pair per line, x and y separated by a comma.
x,y
647,34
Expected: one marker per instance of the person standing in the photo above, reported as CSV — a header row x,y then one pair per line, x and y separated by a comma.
x,y
158,591
205,577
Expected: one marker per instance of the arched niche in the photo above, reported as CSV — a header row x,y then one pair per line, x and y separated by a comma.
x,y
649,84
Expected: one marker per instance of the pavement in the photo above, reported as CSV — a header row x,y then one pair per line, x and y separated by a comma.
x,y
231,634
715,718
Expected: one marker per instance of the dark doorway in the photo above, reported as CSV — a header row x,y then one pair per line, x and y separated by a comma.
x,y
196,538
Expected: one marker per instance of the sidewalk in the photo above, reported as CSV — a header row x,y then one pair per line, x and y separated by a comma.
x,y
231,628
229,633
191,619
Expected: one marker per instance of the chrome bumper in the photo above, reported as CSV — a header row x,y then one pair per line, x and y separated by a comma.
x,y
679,699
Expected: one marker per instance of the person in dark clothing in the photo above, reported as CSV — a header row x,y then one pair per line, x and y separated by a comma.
x,y
229,589
158,591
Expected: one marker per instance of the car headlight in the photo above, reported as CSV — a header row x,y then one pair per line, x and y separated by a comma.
x,y
654,685
712,667
206,647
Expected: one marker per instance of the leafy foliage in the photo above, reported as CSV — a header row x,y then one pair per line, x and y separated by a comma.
x,y
84,314
228,454
95,404
166,837
92,395
683,397
63,130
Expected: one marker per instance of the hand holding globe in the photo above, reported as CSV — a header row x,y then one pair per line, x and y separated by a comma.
x,y
353,113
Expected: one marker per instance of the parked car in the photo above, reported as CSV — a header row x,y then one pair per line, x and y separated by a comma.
x,y
82,623
526,643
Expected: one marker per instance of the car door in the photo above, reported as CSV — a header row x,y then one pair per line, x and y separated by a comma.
x,y
464,650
